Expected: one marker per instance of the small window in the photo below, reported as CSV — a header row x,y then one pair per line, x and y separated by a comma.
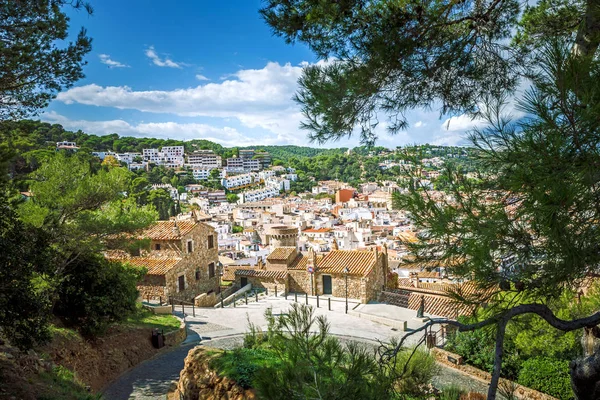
x,y
157,246
190,246
211,270
211,241
181,283
198,274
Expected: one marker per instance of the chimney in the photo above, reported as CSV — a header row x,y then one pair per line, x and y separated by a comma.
x,y
176,230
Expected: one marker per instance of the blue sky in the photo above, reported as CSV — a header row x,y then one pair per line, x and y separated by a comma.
x,y
201,69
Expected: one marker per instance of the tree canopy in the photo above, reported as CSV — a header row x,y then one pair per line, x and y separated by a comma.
x,y
33,66
530,225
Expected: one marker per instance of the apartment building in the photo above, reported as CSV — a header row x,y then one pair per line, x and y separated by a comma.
x,y
237,181
204,173
204,159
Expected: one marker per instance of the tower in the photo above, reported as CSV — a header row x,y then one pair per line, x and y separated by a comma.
x,y
282,236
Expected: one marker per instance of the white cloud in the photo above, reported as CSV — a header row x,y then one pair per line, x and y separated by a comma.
x,y
201,77
226,136
256,97
419,124
105,59
166,62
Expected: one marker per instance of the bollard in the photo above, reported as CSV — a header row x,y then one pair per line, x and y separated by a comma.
x,y
246,297
295,297
286,295
267,291
172,304
160,299
256,296
275,290
306,296
233,301
182,308
221,300
194,310
317,300
329,303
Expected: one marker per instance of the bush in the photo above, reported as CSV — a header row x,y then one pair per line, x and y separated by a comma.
x,y
451,393
547,375
96,293
243,364
415,370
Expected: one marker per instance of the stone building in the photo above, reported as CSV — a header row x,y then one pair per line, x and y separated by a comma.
x,y
361,273
181,263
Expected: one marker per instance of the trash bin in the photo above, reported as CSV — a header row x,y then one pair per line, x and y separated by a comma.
x,y
158,339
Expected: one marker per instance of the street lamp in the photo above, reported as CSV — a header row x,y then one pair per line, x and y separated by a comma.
x,y
346,271
220,266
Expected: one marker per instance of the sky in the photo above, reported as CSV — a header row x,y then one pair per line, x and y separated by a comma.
x,y
203,70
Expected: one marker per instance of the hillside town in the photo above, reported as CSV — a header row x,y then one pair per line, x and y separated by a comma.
x,y
299,200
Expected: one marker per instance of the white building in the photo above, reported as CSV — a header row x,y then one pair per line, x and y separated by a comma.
x,y
237,181
238,164
204,159
258,194
278,183
204,173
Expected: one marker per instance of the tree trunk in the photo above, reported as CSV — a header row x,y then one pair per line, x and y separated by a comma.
x,y
585,371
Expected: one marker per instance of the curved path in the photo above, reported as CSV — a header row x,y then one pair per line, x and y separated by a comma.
x,y
224,328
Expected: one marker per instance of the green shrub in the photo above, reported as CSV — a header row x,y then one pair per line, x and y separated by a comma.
x,y
95,293
415,370
547,375
242,364
451,393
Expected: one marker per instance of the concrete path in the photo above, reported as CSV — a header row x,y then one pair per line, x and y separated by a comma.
x,y
224,328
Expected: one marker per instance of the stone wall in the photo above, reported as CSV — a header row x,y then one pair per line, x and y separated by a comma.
x,y
198,260
198,381
298,281
265,283
521,392
153,287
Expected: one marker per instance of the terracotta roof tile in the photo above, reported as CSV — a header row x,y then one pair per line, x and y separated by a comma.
x,y
281,253
156,265
358,262
299,263
163,230
261,273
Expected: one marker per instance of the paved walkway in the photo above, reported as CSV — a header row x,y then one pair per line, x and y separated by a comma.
x,y
224,328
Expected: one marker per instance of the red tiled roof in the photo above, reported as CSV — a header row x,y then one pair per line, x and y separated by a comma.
x,y
261,273
163,230
156,265
357,262
299,263
320,230
281,253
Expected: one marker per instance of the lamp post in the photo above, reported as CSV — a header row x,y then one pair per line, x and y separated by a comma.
x,y
220,266
346,271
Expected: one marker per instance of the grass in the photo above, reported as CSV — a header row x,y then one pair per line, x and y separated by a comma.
x,y
243,364
147,319
60,383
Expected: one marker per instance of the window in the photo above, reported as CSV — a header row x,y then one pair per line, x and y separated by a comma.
x,y
157,246
181,283
211,241
190,246
211,270
198,274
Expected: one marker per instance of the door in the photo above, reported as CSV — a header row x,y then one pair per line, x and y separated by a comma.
x,y
244,281
326,284
181,283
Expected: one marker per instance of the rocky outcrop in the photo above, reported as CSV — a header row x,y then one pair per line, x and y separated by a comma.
x,y
199,381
